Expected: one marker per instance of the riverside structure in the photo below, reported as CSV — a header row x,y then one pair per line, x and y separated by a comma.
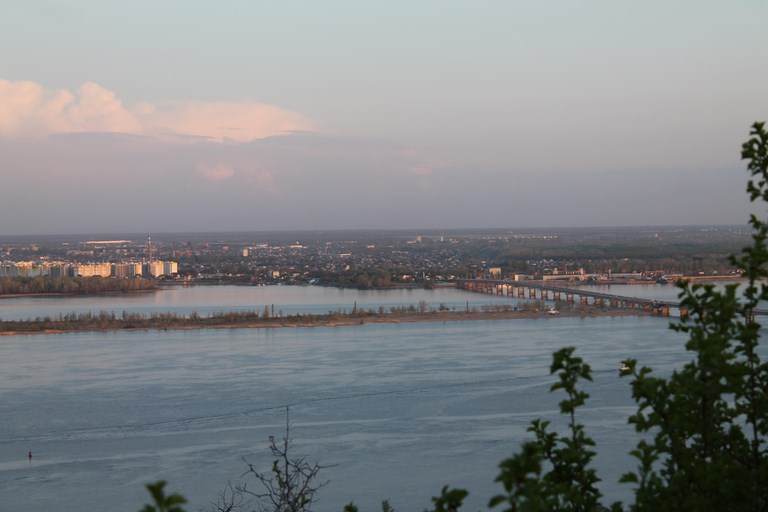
x,y
546,291
542,290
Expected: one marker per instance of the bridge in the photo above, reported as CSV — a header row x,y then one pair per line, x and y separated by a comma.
x,y
545,291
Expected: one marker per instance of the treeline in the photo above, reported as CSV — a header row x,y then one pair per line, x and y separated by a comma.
x,y
107,320
73,285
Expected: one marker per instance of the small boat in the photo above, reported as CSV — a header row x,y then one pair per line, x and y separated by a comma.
x,y
553,312
623,367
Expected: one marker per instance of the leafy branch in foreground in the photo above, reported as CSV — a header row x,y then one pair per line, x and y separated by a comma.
x,y
709,420
163,503
569,484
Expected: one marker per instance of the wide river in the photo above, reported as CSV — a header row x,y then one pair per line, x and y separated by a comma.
x,y
395,411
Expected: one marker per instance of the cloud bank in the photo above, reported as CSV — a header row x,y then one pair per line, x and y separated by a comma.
x,y
85,162
29,110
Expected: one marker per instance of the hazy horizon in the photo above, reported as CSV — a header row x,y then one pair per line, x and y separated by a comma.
x,y
243,236
267,116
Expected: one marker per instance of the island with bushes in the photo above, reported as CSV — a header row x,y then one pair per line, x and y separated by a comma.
x,y
269,318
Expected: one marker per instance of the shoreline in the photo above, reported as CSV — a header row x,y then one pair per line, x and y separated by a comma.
x,y
67,295
442,316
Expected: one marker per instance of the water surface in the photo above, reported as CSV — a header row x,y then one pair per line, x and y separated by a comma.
x,y
395,410
205,300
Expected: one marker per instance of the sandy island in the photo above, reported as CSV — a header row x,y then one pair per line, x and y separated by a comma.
x,y
441,316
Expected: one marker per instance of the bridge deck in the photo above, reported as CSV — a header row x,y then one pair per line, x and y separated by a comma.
x,y
582,292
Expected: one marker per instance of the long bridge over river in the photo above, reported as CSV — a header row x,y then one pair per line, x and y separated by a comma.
x,y
545,291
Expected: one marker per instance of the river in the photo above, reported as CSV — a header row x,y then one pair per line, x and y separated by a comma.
x,y
395,411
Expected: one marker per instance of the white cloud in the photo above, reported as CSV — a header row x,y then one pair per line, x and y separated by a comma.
x,y
27,109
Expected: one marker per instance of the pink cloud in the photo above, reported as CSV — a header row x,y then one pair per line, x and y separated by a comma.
x,y
27,109
220,121
264,181
216,172
245,175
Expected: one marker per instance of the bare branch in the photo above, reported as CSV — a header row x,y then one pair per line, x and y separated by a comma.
x,y
291,483
231,499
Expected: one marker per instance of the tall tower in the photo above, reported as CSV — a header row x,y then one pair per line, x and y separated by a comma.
x,y
149,247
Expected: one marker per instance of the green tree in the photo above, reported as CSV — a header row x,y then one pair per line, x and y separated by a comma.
x,y
570,482
705,427
709,420
163,503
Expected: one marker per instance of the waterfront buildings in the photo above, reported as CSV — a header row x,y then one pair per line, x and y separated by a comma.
x,y
56,269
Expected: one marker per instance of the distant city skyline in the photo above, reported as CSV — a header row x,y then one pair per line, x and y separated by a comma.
x,y
261,116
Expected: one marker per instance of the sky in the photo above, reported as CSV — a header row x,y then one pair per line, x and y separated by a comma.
x,y
201,115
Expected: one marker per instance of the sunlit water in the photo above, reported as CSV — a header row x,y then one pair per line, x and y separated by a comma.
x,y
395,411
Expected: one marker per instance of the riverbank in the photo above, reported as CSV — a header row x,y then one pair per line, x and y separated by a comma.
x,y
166,323
69,295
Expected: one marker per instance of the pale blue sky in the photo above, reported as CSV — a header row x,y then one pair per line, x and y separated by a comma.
x,y
388,114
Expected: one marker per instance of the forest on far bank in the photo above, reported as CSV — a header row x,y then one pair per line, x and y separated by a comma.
x,y
73,285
